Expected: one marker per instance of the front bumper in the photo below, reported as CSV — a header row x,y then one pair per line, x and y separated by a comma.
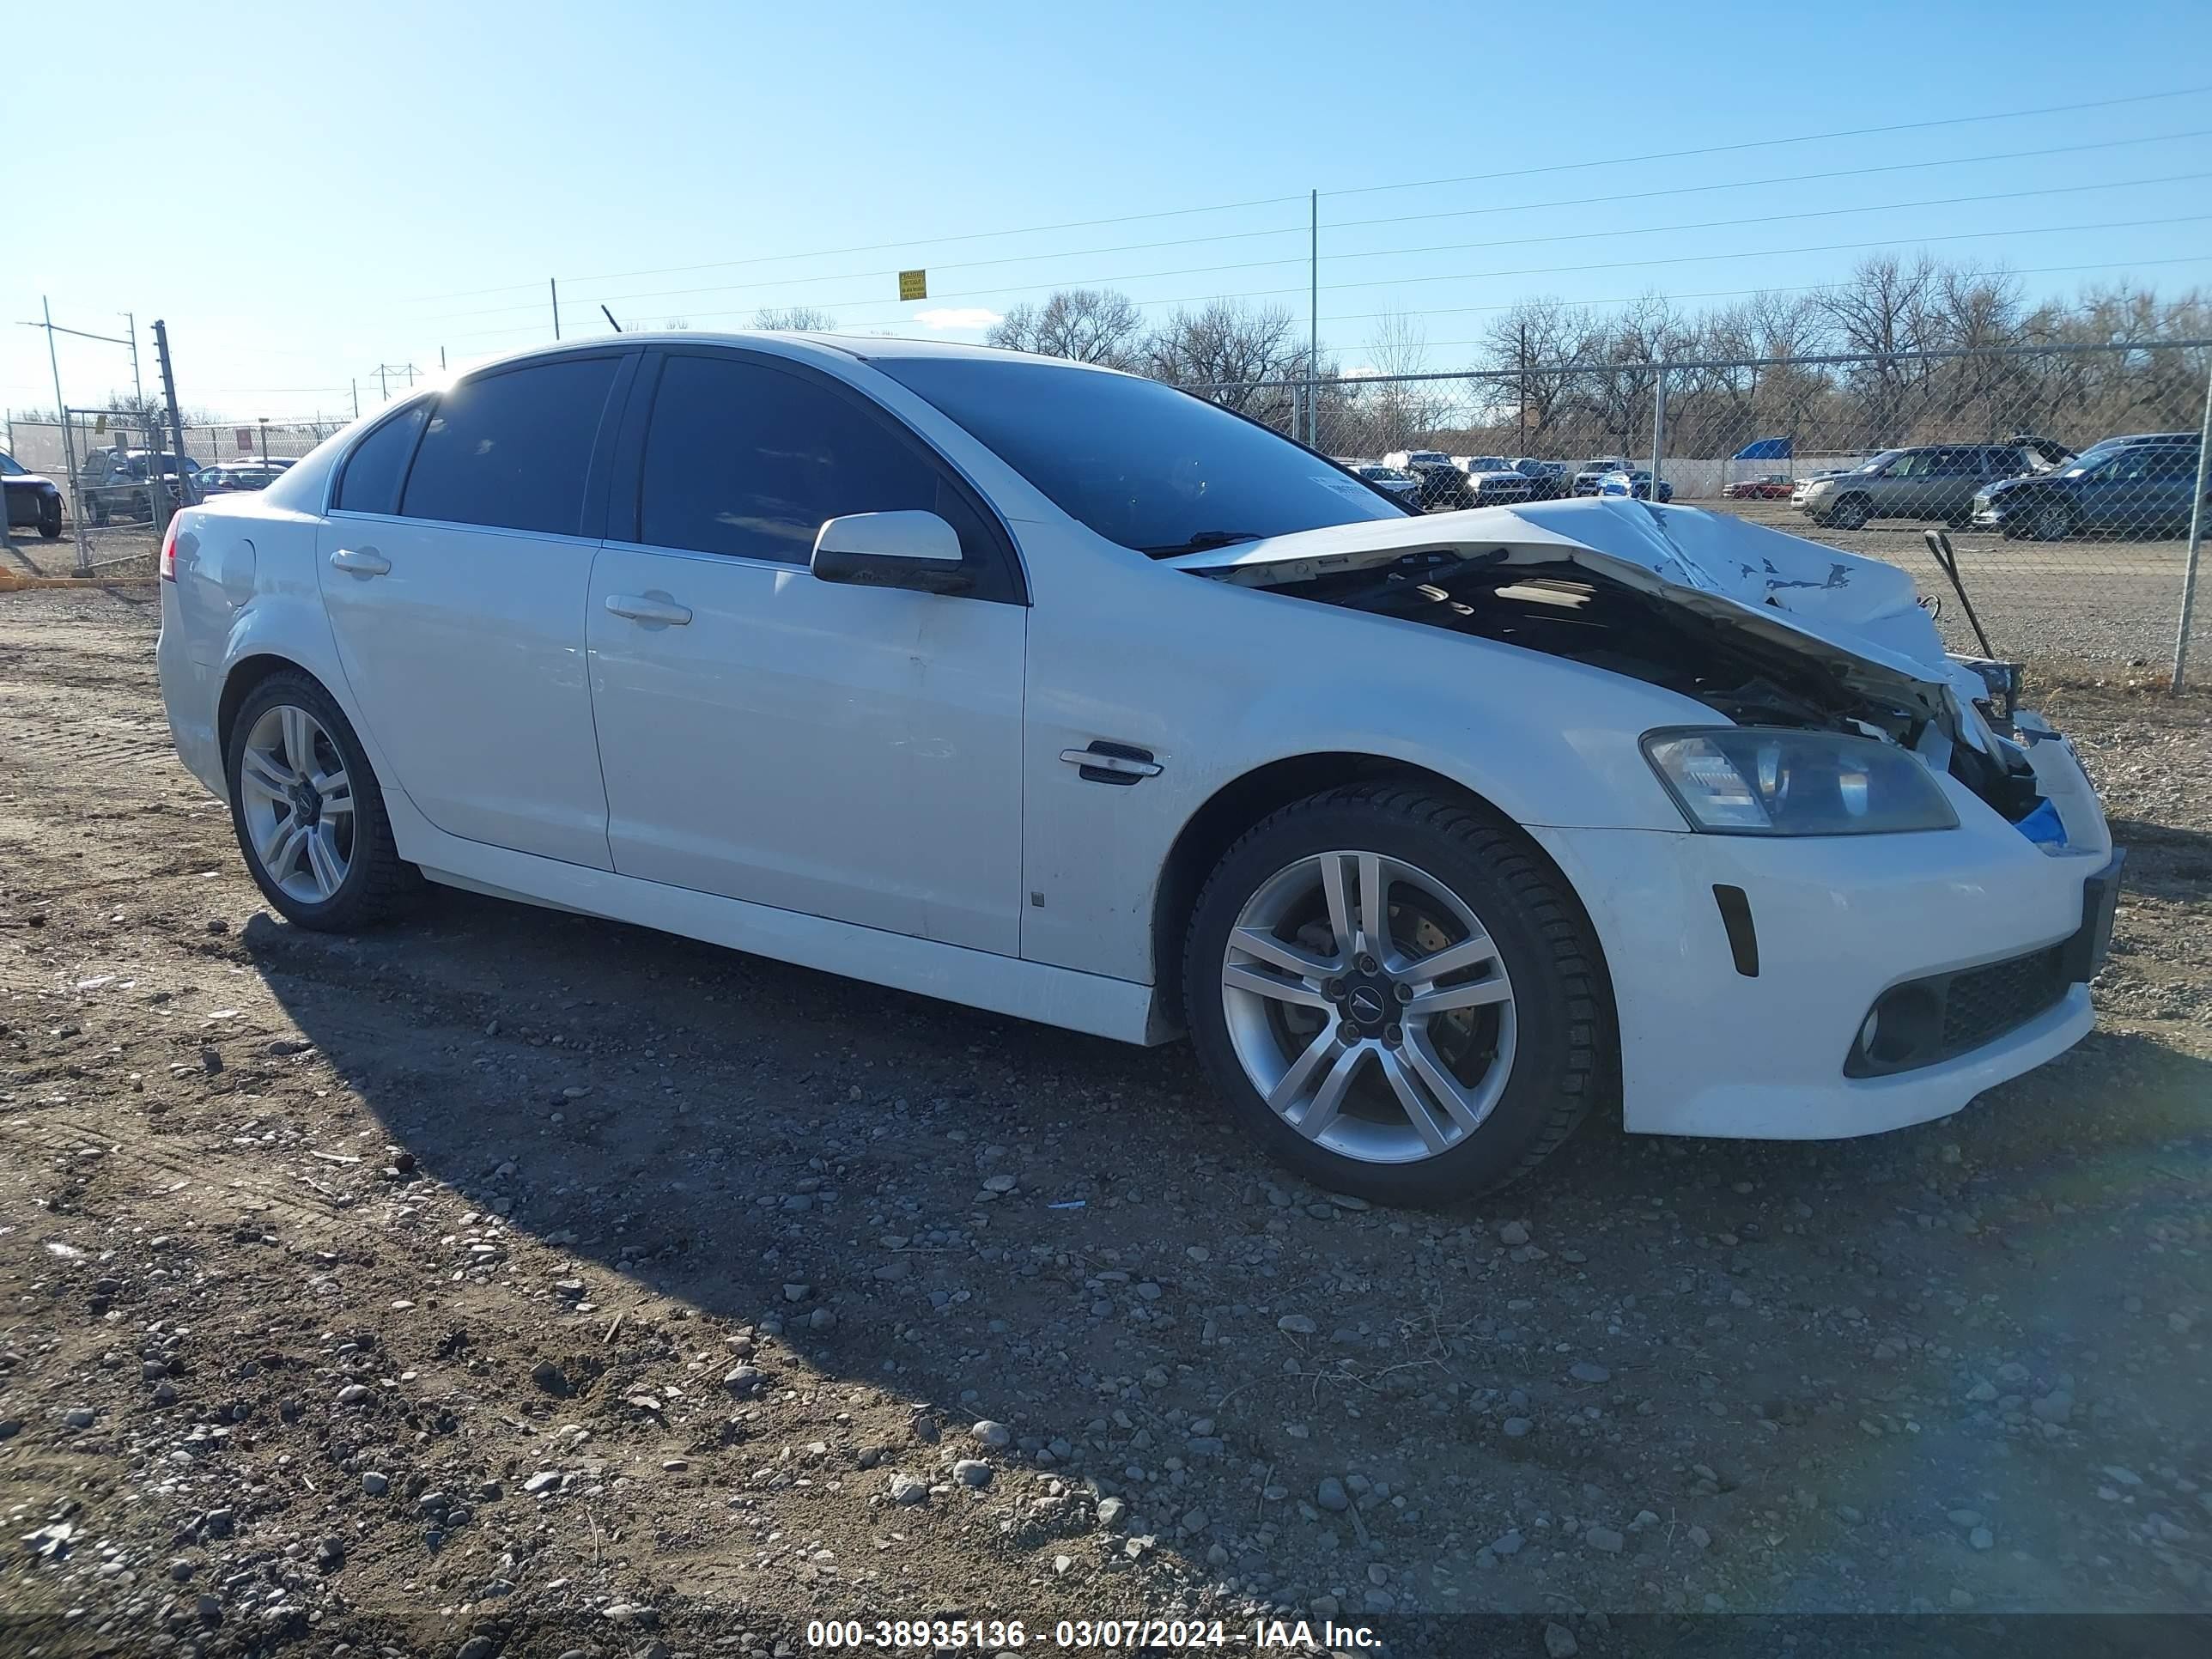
x,y
1706,1049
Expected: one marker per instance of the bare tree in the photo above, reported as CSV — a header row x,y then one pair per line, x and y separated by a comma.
x,y
1084,325
1529,343
1230,352
794,319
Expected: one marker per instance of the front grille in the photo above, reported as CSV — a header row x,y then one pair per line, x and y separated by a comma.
x,y
1984,1003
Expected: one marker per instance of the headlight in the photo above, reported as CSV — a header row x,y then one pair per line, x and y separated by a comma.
x,y
1758,780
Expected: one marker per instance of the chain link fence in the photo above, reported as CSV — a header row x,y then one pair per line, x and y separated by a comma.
x,y
2073,544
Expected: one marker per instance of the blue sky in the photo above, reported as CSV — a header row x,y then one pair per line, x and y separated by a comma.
x,y
372,183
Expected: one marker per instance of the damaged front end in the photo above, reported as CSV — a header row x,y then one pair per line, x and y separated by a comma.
x,y
1765,629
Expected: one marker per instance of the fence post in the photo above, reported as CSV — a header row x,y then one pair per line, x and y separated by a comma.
x,y
2196,541
1658,429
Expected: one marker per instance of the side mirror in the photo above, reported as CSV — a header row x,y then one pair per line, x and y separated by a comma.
x,y
916,550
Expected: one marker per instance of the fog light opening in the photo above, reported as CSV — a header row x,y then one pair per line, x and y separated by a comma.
x,y
1904,1023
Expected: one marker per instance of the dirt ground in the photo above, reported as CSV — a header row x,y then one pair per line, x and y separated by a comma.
x,y
505,1282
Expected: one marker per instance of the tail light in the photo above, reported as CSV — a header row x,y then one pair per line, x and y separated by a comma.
x,y
169,548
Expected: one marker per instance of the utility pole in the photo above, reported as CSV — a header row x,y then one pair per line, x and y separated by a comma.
x,y
169,395
2195,544
554,286
356,384
1313,320
69,441
137,388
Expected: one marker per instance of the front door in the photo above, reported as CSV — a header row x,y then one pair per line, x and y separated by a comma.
x,y
847,752
459,615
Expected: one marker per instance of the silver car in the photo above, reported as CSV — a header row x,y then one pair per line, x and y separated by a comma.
x,y
1927,481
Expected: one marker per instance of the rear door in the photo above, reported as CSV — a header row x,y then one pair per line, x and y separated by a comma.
x,y
455,564
843,752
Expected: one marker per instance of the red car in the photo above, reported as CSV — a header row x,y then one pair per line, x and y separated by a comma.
x,y
1774,487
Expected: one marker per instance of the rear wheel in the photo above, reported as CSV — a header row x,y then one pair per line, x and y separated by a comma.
x,y
50,521
309,815
1394,995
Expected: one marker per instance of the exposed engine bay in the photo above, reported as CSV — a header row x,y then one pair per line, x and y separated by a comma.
x,y
1566,610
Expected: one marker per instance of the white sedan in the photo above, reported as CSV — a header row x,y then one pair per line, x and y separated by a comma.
x,y
1055,691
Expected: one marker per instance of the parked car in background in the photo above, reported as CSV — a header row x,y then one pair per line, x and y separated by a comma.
x,y
1493,481
1414,934
1635,484
33,500
2135,490
1393,481
1412,457
1774,487
1927,481
1444,487
118,483
1592,473
237,475
2127,440
1547,480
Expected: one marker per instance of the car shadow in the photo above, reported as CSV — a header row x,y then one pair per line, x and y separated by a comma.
x,y
989,1218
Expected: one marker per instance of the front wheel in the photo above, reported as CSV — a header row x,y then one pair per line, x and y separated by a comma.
x,y
2052,522
1850,513
309,815
1395,995
50,523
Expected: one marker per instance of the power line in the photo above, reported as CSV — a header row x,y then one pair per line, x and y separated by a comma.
x,y
1517,207
1645,230
1620,264
909,243
1769,143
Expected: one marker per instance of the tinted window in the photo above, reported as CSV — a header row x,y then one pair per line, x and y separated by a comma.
x,y
511,448
2173,464
373,472
1140,463
747,460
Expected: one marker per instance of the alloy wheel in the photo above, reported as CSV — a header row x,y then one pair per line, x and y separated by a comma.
x,y
297,804
1369,1006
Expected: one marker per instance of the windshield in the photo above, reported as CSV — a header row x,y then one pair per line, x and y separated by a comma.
x,y
1490,463
1877,463
7,465
1138,462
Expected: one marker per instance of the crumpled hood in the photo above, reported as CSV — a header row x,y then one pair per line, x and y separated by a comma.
x,y
1859,616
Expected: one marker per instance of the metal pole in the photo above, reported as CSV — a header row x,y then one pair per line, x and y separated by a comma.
x,y
138,387
169,394
356,384
383,392
1313,320
2196,541
69,443
1658,427
555,286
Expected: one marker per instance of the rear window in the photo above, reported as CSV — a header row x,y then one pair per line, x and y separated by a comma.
x,y
511,449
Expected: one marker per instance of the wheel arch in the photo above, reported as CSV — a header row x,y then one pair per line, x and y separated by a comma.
x,y
238,685
1244,801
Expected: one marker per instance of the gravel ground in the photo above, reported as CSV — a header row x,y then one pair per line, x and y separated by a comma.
x,y
505,1282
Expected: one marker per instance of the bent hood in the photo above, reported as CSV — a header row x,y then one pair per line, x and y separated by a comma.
x,y
1859,616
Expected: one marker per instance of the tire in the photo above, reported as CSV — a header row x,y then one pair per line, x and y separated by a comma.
x,y
2052,522
341,876
1521,1036
1852,512
100,515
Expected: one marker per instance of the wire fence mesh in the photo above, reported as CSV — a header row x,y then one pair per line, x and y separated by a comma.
x,y
2065,476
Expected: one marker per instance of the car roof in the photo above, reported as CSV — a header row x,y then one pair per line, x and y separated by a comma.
x,y
851,348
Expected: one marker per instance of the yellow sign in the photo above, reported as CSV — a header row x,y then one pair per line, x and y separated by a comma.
x,y
914,285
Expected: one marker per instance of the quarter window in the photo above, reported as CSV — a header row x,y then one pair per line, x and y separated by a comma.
x,y
747,460
373,472
513,448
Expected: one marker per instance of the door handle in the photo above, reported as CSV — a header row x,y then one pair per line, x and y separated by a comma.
x,y
361,561
644,608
